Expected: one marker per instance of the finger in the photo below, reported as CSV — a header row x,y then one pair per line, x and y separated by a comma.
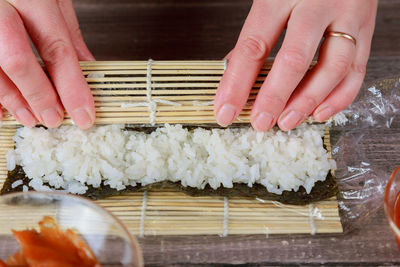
x,y
19,63
303,35
49,33
260,32
14,102
68,12
335,58
347,90
229,55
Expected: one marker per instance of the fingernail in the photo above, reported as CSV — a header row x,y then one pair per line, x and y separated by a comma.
x,y
25,117
263,122
226,114
290,120
51,118
324,113
82,118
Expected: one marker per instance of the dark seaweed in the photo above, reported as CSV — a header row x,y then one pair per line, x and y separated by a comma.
x,y
321,190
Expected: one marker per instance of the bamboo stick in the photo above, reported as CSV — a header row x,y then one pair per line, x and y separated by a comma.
x,y
163,92
160,79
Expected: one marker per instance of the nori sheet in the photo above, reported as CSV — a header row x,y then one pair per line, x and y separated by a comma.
x,y
321,190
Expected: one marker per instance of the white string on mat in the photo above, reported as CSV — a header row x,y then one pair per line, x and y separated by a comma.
x,y
226,217
133,105
311,219
206,103
266,231
167,102
209,103
151,104
96,75
313,212
143,214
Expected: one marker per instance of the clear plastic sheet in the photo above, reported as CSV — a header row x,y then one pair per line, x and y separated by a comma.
x,y
360,178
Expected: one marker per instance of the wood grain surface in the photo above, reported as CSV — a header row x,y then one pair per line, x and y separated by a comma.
x,y
190,29
207,29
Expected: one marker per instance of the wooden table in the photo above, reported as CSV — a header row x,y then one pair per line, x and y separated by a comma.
x,y
207,29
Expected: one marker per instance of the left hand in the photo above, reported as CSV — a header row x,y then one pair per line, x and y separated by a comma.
x,y
290,94
25,90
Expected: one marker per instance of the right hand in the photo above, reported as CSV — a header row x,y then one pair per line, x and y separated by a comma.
x,y
25,90
291,93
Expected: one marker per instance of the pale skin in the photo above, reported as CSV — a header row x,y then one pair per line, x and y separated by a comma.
x,y
25,91
288,96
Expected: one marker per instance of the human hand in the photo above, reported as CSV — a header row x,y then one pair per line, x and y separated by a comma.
x,y
25,90
290,94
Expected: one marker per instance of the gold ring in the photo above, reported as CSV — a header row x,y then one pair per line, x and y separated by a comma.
x,y
341,34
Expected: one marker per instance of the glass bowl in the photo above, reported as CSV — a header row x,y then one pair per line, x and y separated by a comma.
x,y
104,233
392,203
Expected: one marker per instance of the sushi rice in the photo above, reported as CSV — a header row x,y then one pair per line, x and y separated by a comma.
x,y
70,159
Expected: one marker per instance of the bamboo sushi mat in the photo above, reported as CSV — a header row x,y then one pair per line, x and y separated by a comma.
x,y
142,92
174,213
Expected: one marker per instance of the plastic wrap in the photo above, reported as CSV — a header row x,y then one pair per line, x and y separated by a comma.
x,y
361,177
